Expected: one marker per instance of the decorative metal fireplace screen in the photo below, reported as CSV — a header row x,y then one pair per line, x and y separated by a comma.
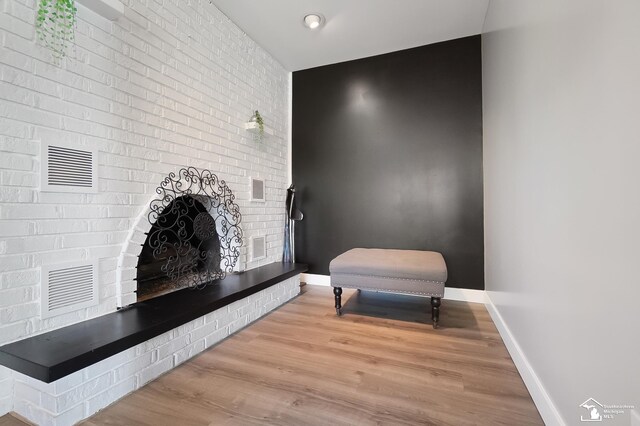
x,y
195,237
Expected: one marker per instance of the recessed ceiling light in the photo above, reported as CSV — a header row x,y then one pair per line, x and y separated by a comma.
x,y
313,21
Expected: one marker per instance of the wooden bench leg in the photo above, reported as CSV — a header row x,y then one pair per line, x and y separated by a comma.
x,y
337,292
435,311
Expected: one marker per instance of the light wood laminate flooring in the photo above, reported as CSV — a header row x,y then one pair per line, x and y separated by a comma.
x,y
381,362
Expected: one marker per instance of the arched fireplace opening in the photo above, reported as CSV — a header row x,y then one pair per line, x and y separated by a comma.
x,y
185,242
195,235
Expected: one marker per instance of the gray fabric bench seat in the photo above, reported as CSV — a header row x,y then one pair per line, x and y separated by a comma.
x,y
399,271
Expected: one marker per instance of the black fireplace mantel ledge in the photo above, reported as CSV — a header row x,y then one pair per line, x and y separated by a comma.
x,y
56,354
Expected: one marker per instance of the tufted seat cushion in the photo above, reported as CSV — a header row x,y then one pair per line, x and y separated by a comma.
x,y
403,271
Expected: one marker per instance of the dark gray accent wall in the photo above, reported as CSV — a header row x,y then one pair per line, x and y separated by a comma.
x,y
387,152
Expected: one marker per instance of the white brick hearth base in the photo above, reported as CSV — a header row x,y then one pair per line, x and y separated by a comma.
x,y
81,394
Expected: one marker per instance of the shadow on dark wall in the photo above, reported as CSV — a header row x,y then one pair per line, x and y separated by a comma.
x,y
387,152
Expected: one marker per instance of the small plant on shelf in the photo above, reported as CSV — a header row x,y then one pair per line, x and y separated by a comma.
x,y
258,119
55,25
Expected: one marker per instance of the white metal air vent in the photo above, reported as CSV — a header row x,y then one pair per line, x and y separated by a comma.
x,y
257,189
68,169
258,248
68,287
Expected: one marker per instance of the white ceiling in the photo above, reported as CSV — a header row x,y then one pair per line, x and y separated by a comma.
x,y
353,29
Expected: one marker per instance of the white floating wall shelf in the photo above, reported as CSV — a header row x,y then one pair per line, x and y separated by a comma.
x,y
110,9
253,127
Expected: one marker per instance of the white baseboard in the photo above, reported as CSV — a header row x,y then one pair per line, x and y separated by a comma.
x,y
550,414
460,294
465,295
315,279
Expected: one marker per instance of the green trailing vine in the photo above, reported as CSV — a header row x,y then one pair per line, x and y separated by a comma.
x,y
260,122
55,25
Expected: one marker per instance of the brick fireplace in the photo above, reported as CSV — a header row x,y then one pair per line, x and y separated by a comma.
x,y
192,235
158,89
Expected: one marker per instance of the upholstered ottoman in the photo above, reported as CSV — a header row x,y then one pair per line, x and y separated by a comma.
x,y
398,271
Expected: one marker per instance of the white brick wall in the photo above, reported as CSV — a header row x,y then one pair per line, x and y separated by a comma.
x,y
170,84
83,393
6,390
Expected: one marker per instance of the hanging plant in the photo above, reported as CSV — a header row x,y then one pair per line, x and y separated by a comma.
x,y
260,121
55,25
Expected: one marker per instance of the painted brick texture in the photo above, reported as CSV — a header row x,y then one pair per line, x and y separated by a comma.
x,y
169,84
81,394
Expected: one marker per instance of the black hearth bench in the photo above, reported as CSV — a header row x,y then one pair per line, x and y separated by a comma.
x,y
56,354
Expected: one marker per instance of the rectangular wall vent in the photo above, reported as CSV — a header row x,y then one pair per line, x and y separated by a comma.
x,y
258,248
67,288
257,189
68,169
